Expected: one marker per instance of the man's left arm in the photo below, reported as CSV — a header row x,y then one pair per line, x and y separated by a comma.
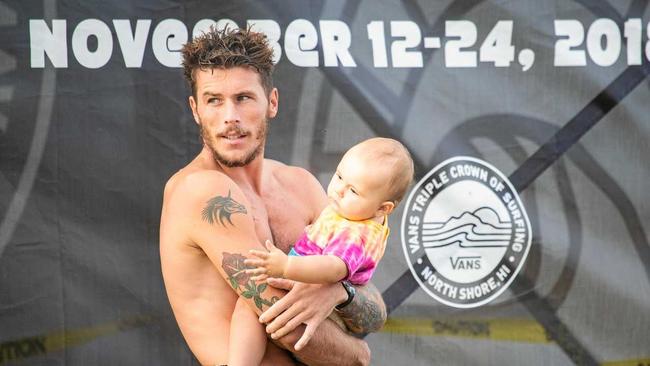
x,y
301,317
367,311
311,304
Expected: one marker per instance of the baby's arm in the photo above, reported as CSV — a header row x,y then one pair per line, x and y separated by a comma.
x,y
308,269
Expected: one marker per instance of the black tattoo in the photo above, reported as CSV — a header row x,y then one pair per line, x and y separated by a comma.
x,y
233,265
220,208
366,313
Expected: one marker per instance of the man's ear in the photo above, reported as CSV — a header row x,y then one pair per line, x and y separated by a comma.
x,y
273,103
385,208
193,107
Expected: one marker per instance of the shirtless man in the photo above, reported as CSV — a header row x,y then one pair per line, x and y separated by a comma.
x,y
229,200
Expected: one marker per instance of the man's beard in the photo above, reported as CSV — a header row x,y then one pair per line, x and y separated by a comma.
x,y
260,137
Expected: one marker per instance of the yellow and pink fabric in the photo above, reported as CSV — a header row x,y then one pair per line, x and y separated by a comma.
x,y
360,244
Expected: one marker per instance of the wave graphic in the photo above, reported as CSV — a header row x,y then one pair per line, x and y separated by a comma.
x,y
482,228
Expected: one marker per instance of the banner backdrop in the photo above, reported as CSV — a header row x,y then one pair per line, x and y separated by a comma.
x,y
553,95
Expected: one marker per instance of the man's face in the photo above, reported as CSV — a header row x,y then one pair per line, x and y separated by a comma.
x,y
232,111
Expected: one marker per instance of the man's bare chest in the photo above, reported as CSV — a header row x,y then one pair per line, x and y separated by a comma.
x,y
281,220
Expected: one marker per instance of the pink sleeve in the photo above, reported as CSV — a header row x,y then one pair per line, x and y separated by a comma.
x,y
350,248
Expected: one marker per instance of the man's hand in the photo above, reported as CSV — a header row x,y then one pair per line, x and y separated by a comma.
x,y
270,264
308,304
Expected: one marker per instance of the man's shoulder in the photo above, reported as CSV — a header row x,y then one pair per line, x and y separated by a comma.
x,y
196,199
191,182
291,175
298,184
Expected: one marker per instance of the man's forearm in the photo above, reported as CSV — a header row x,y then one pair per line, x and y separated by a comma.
x,y
366,313
330,345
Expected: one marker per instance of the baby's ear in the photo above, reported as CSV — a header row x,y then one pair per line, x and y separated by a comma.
x,y
386,208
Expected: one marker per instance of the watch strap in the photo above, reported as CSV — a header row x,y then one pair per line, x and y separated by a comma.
x,y
351,291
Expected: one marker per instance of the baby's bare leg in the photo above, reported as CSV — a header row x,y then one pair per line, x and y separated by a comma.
x,y
247,337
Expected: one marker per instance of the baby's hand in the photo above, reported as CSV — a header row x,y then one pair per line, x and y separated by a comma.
x,y
270,264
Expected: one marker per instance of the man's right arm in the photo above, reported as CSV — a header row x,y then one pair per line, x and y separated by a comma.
x,y
215,215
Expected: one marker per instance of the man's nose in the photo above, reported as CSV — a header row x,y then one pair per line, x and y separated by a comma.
x,y
230,112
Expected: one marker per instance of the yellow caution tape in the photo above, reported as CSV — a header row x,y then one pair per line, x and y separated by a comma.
x,y
38,345
632,362
516,330
508,329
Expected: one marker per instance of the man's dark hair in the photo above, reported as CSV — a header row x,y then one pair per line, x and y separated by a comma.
x,y
228,48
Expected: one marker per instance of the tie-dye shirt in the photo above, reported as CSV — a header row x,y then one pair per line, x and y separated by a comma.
x,y
360,244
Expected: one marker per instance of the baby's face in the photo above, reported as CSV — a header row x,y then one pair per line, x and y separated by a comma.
x,y
358,188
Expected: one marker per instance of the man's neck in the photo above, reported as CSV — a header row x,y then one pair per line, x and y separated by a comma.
x,y
248,176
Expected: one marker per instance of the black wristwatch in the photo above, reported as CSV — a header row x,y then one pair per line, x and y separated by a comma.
x,y
351,291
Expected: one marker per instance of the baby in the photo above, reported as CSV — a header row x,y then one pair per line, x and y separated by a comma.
x,y
343,244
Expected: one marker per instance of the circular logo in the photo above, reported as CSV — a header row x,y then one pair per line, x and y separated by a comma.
x,y
465,233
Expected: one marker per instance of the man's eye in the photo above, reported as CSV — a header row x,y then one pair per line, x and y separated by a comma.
x,y
213,100
243,97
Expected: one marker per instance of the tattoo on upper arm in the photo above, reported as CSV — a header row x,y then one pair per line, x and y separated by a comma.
x,y
233,265
221,208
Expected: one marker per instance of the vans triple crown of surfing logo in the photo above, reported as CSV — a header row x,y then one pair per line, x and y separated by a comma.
x,y
465,232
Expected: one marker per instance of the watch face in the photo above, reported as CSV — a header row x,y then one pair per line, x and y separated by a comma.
x,y
350,289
